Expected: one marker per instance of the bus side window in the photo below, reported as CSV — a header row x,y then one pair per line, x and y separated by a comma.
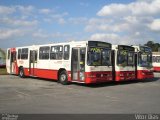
x,y
60,52
52,53
56,52
44,52
24,53
19,53
66,52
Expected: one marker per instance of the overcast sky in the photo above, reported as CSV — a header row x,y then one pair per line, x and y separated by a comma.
x,y
28,22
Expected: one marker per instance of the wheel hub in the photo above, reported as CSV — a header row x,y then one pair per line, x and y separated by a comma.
x,y
63,77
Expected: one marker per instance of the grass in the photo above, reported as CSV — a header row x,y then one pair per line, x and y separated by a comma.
x,y
3,71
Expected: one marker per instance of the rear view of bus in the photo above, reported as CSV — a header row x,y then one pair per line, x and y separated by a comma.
x,y
143,58
156,61
123,62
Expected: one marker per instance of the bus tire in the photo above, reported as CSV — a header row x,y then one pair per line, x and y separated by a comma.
x,y
63,78
21,73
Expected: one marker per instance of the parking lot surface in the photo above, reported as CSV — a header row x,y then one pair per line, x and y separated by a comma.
x,y
33,95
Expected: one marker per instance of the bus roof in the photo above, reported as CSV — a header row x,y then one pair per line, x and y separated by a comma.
x,y
123,47
60,43
138,47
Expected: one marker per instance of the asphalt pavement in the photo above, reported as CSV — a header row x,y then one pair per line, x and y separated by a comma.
x,y
33,95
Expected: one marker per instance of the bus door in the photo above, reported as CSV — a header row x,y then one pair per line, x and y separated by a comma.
x,y
78,64
33,62
13,62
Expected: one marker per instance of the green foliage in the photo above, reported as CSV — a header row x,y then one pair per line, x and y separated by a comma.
x,y
154,46
3,52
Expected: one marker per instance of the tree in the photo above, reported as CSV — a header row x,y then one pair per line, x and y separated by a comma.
x,y
154,46
3,52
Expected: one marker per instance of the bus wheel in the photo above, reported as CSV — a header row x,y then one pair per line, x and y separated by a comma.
x,y
21,73
63,78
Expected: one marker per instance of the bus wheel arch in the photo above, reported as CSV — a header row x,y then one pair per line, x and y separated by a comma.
x,y
63,76
21,72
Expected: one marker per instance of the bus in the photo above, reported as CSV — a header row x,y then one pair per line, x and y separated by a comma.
x,y
123,62
143,62
76,61
156,61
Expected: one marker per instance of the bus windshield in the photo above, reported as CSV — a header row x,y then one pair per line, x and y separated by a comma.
x,y
125,58
145,59
99,56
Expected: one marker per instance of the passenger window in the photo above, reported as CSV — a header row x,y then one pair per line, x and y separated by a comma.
x,y
44,52
66,52
24,53
56,52
19,53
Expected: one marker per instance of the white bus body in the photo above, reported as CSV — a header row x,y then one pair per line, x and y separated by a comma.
x,y
156,61
82,61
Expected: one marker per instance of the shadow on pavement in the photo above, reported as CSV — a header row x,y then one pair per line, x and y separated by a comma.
x,y
106,84
114,83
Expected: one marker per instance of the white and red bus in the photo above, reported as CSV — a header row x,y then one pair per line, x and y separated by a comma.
x,y
123,62
156,61
81,61
143,62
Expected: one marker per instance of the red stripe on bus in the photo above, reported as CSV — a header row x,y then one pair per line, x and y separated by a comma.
x,y
143,74
157,69
44,73
124,75
98,77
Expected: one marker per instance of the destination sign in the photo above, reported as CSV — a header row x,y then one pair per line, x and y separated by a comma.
x,y
99,44
125,47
